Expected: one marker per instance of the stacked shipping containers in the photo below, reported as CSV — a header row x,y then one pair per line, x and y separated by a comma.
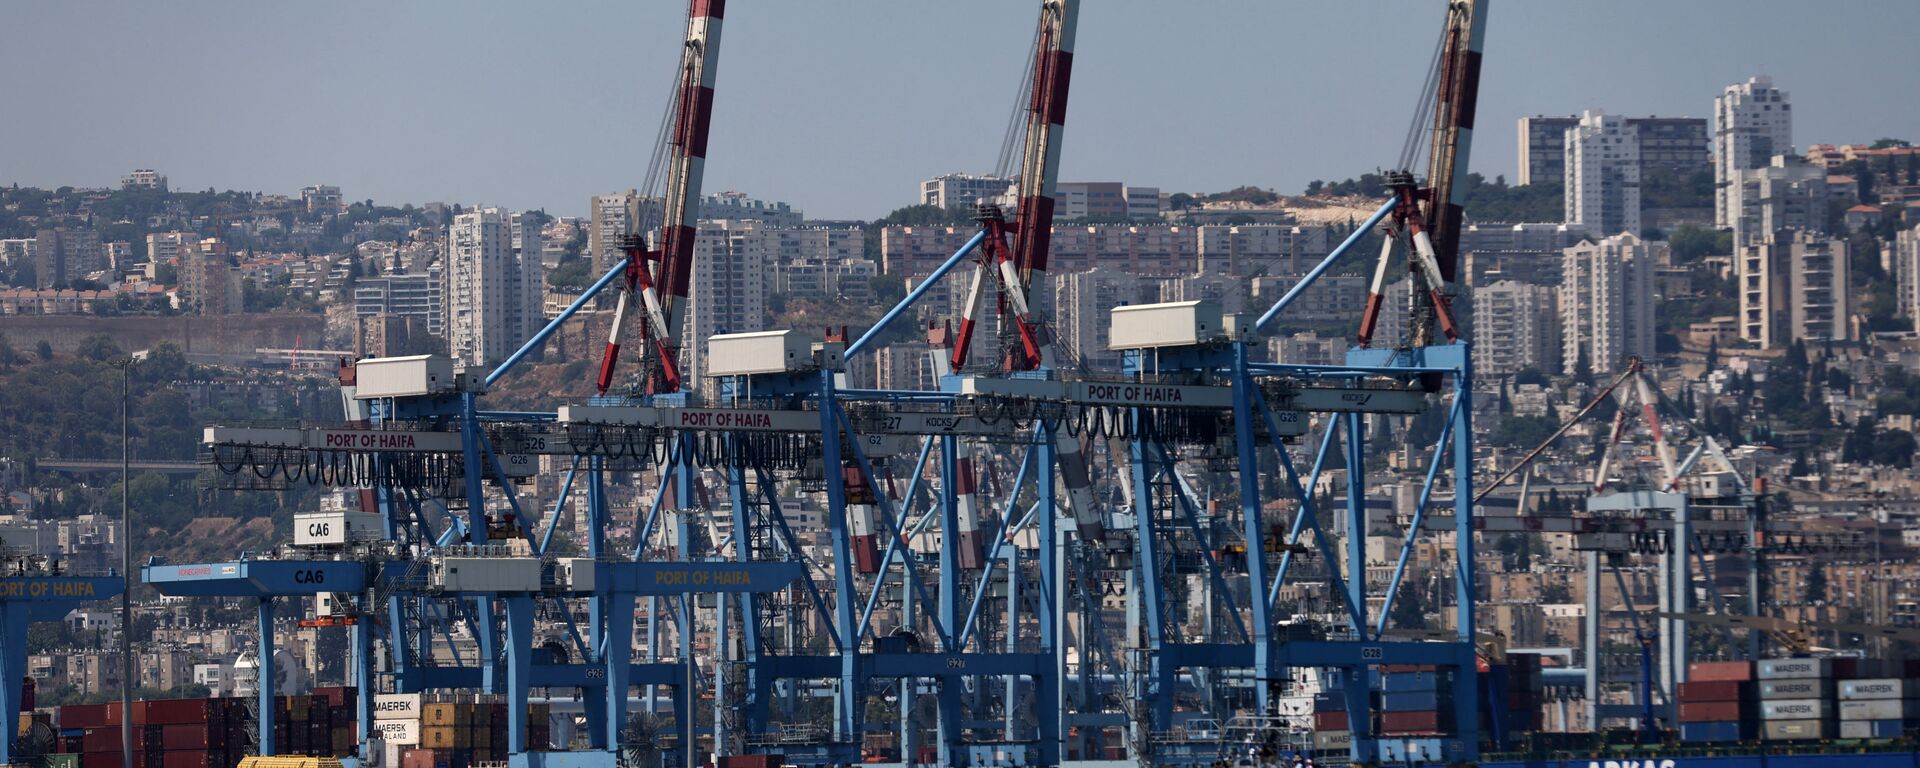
x,y
1878,708
1796,697
205,733
1718,702
1416,711
422,732
1331,731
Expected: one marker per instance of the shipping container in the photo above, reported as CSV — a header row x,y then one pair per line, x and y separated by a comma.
x,y
439,714
1796,730
398,706
403,376
1873,729
1802,668
1332,740
1807,688
1172,324
753,761
1714,690
1414,701
1716,671
1880,688
178,711
1880,709
1431,721
1711,711
1796,709
1726,730
1330,721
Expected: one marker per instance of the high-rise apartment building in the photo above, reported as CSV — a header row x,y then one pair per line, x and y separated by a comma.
x,y
144,178
1603,175
492,289
1607,302
1680,146
615,217
208,283
1906,273
1083,305
62,255
961,191
1752,122
1793,287
728,290
1786,193
1528,252
416,297
1516,326
321,198
736,206
1257,249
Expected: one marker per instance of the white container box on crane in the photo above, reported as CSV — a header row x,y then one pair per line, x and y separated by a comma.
x,y
410,376
744,354
1172,324
336,527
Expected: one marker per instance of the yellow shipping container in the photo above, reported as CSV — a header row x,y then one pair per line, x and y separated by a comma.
x,y
445,737
288,762
439,714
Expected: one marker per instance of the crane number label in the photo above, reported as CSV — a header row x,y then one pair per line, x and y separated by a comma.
x,y
309,576
596,673
956,663
1372,652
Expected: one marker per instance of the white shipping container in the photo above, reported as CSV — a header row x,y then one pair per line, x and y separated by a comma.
x,y
1332,739
1796,709
1880,688
403,376
576,572
1795,730
1796,689
743,354
397,706
332,528
487,574
1879,709
402,732
1795,669
1172,324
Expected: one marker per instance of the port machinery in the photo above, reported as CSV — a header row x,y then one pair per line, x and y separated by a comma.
x,y
1001,629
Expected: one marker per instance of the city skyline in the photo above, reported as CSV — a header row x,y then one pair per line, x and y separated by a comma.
x,y
837,110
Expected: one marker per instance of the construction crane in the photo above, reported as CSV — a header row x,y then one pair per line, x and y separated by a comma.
x,y
661,275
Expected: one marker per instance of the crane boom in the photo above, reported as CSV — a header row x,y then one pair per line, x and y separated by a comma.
x,y
1454,108
661,277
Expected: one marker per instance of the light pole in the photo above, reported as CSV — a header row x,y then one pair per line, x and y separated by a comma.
x,y
126,561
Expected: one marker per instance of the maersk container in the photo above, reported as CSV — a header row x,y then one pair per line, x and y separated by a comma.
x,y
1873,729
1881,688
397,706
1807,688
409,376
1172,324
1879,709
745,354
1796,730
1796,709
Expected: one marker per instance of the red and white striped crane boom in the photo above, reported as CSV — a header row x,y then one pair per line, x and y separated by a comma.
x,y
662,275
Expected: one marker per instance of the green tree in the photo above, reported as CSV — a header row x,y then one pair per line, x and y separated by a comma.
x,y
44,349
9,356
100,348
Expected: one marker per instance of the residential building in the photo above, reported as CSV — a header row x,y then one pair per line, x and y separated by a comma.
x,y
1333,298
1675,145
1144,203
903,365
491,286
1260,249
727,290
1905,264
615,217
1153,250
1528,252
1307,348
1793,287
1606,303
321,198
1602,191
62,255
387,335
1752,122
736,206
1228,293
166,247
1516,327
848,278
1785,193
416,297
16,250
961,191
1083,307
209,285
145,178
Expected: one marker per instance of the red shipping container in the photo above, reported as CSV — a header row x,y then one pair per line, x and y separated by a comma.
x,y
103,739
1720,671
177,711
83,715
1334,720
1709,711
102,759
176,737
1713,690
1428,721
191,759
755,761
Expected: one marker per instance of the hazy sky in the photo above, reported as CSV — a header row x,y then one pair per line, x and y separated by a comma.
x,y
841,107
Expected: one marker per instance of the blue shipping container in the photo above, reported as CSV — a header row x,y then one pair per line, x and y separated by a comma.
x,y
1726,730
1414,701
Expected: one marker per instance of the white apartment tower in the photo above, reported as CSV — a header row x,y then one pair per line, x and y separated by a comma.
x,y
1752,122
1906,273
728,289
1606,302
1793,287
491,284
1785,193
1603,175
1083,305
1515,327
